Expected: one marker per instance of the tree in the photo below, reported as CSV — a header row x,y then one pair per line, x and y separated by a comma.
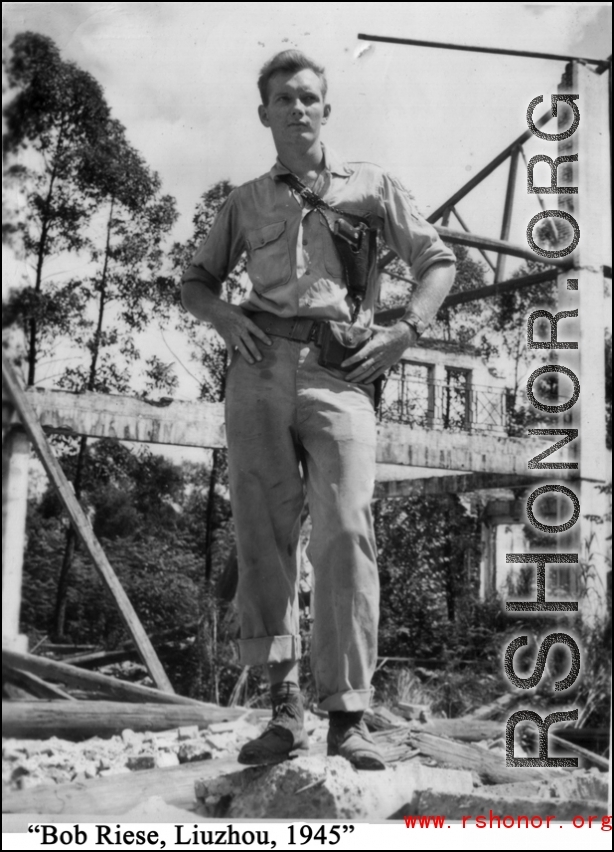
x,y
127,255
89,192
58,113
209,351
136,502
426,561
210,355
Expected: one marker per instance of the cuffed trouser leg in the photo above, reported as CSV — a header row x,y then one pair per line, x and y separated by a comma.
x,y
284,407
337,431
267,497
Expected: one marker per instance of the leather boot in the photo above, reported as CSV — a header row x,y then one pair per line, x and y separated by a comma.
x,y
284,735
349,737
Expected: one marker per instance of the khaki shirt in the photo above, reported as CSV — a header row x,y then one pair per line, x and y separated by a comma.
x,y
292,262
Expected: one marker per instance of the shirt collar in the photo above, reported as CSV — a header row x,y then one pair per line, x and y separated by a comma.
x,y
332,164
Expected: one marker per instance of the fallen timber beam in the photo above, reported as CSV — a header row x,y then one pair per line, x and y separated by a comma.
x,y
33,684
55,648
80,720
71,676
490,767
99,659
466,729
589,756
82,526
436,485
102,658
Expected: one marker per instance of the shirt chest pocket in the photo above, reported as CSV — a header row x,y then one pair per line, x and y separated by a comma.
x,y
268,258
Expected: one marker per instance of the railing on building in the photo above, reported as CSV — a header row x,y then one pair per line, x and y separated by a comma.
x,y
413,396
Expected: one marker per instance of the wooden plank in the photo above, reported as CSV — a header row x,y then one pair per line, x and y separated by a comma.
x,y
33,684
433,485
186,424
101,658
118,794
589,756
70,675
15,462
467,729
80,720
490,767
54,648
83,527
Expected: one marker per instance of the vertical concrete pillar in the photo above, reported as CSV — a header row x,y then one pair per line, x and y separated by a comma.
x,y
438,379
487,559
15,459
590,207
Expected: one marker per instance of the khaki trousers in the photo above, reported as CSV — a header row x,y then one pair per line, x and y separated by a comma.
x,y
284,415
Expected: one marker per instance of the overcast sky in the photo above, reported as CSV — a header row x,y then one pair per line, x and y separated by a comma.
x,y
182,79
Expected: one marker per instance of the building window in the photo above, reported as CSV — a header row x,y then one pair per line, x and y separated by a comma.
x,y
456,399
408,395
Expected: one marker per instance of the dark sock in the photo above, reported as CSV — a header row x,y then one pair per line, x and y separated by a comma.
x,y
285,689
342,718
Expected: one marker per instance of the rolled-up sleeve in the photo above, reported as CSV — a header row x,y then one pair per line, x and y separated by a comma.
x,y
407,232
221,249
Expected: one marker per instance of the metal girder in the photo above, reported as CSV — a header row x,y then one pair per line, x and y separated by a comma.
x,y
475,49
507,211
462,238
478,293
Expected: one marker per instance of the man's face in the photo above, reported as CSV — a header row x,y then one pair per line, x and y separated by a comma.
x,y
296,109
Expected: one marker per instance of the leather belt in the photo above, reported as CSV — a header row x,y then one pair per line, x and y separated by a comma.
x,y
301,329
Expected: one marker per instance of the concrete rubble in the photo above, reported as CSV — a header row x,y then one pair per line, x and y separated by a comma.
x,y
322,788
29,763
311,786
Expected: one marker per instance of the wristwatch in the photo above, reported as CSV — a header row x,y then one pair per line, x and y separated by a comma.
x,y
413,321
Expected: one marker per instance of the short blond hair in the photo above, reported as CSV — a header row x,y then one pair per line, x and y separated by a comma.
x,y
288,62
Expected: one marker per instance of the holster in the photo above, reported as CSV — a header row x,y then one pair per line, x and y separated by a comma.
x,y
354,237
332,352
356,244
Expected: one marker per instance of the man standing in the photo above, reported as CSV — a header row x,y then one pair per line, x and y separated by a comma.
x,y
300,416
